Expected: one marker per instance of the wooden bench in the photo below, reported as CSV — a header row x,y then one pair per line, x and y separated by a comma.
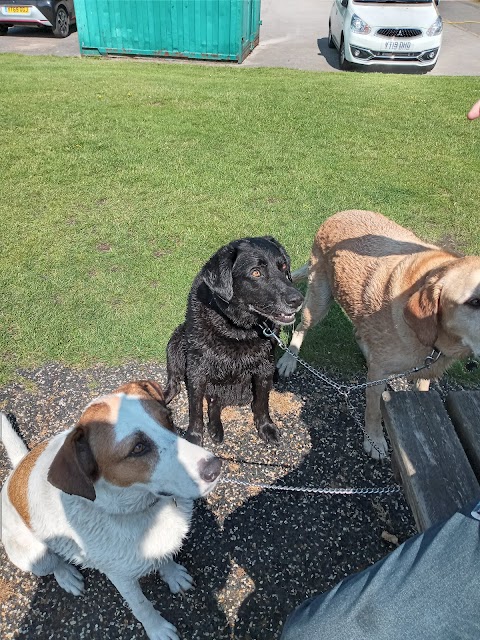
x,y
439,470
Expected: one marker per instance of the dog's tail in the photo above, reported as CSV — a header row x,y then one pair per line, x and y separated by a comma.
x,y
16,448
301,274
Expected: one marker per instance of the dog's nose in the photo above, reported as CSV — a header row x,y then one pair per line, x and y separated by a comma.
x,y
209,469
294,299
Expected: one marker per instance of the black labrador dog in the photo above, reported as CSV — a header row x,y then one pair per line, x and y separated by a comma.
x,y
220,350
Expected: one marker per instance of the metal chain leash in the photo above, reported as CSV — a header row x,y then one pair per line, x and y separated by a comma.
x,y
326,490
344,390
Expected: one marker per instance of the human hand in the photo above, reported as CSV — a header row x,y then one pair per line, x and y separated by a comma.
x,y
474,111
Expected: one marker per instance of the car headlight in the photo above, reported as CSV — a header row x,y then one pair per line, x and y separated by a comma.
x,y
436,28
358,25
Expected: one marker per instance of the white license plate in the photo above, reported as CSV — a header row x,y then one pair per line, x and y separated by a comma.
x,y
397,45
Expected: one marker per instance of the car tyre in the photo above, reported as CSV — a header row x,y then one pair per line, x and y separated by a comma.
x,y
343,63
62,23
330,42
3,29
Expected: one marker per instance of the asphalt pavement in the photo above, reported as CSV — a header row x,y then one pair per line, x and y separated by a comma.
x,y
294,35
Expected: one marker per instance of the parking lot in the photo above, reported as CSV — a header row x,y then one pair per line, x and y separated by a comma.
x,y
294,35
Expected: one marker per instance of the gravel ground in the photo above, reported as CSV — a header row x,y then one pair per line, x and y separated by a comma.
x,y
254,554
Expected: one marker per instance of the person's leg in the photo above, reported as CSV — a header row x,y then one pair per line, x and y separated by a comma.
x,y
427,589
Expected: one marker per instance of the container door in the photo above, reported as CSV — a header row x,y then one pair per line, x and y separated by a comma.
x,y
250,25
254,22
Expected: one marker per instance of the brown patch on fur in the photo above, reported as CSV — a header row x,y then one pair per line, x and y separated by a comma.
x,y
112,458
153,400
100,412
18,483
113,461
143,389
160,413
74,469
95,452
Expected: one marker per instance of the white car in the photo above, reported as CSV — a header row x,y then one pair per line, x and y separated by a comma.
x,y
386,32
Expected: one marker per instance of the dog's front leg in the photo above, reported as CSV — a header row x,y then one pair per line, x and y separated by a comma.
x,y
196,387
156,627
267,431
215,426
374,442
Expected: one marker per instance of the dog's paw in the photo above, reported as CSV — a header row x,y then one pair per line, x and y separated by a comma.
x,y
215,431
194,437
376,447
69,578
286,365
177,577
269,433
161,629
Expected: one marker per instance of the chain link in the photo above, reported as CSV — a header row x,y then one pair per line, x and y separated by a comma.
x,y
344,390
325,490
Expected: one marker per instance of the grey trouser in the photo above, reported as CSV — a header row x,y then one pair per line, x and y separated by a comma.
x,y
427,589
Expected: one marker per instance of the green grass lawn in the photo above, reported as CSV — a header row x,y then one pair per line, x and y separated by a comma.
x,y
119,179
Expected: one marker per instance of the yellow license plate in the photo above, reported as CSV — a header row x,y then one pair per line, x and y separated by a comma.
x,y
18,9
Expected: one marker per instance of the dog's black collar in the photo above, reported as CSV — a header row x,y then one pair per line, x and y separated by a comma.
x,y
213,303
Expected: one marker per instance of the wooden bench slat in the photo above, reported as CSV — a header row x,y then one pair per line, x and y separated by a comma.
x,y
435,472
464,410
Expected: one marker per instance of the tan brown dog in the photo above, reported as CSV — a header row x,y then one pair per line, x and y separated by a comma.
x,y
404,297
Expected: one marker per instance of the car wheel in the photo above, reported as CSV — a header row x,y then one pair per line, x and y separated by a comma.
x,y
3,29
343,63
62,26
330,42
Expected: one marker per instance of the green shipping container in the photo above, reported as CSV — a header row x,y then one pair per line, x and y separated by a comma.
x,y
200,29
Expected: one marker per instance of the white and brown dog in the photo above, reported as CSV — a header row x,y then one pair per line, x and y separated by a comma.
x,y
114,493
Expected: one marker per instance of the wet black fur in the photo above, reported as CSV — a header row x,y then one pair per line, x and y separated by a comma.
x,y
220,351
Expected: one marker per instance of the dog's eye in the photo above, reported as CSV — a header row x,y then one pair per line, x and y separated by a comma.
x,y
139,449
473,302
255,273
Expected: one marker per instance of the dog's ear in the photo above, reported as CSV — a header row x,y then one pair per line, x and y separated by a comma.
x,y
285,255
217,273
279,246
155,403
74,469
153,400
274,241
421,311
145,388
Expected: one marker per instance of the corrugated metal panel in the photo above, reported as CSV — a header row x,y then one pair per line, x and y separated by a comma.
x,y
206,29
